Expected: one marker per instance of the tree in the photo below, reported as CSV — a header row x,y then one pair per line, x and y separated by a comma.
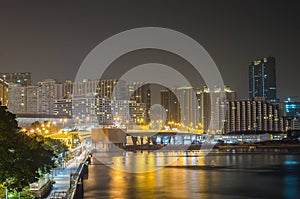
x,y
51,144
44,128
23,159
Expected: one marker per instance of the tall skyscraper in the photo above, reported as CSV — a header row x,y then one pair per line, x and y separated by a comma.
x,y
141,94
181,106
262,79
188,106
23,79
213,107
197,111
171,105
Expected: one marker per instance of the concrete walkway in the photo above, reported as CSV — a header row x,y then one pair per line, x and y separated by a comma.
x,y
62,177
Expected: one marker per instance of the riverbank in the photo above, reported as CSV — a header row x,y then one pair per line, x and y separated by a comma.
x,y
258,146
282,144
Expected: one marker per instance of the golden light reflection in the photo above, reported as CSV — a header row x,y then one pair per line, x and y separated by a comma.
x,y
118,182
175,181
146,185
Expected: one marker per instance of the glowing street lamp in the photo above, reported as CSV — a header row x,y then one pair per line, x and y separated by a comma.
x,y
63,122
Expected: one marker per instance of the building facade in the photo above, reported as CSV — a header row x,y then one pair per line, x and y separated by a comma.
x,y
110,94
63,107
254,115
171,105
17,102
292,111
23,79
189,107
181,106
45,96
32,99
262,79
140,93
213,107
292,107
203,109
88,102
3,93
121,113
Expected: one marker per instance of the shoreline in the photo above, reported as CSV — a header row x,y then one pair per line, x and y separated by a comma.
x,y
220,147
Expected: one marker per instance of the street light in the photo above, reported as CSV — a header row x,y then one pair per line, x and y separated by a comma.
x,y
63,122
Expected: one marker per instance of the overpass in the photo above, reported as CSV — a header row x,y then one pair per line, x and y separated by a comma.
x,y
145,137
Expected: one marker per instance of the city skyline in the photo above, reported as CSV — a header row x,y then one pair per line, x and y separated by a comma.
x,y
54,46
149,99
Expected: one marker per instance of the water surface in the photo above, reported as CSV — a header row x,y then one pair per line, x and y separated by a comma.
x,y
220,174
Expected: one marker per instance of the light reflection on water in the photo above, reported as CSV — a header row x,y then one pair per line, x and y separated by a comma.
x,y
193,175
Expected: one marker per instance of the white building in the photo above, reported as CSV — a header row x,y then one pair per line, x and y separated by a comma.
x,y
17,100
32,99
45,96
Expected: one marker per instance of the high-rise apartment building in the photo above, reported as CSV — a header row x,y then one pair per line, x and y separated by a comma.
x,y
120,112
141,94
23,79
87,101
32,99
171,105
86,87
83,109
99,99
181,106
254,115
202,109
45,96
188,106
212,104
17,102
67,88
262,79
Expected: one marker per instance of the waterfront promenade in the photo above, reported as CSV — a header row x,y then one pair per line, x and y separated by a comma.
x,y
62,177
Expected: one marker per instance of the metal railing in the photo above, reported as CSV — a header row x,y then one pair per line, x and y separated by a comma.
x,y
76,181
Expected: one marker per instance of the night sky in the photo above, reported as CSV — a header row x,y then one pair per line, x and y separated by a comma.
x,y
51,38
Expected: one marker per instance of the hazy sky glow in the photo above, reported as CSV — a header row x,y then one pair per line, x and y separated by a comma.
x,y
51,38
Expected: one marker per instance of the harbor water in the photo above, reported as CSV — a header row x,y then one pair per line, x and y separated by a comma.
x,y
223,174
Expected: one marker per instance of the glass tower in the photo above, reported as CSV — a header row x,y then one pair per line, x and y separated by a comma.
x,y
262,79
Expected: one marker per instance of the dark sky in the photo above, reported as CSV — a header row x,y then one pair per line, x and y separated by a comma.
x,y
51,38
